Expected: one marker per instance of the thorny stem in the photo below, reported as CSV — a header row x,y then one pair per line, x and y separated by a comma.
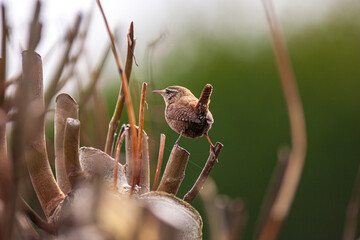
x,y
125,88
192,194
293,172
160,159
137,165
115,120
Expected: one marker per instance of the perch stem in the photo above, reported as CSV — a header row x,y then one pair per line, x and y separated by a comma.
x,y
174,171
194,192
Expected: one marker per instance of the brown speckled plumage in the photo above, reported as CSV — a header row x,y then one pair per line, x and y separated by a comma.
x,y
185,114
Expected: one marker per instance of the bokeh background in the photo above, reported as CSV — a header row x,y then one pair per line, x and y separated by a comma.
x,y
226,43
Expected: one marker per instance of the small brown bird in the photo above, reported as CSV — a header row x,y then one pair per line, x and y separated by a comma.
x,y
187,115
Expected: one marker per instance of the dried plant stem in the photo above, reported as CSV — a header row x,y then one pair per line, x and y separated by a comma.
x,y
47,191
6,178
71,147
352,214
36,219
3,55
51,91
160,159
137,165
115,120
277,178
144,181
192,194
125,88
293,172
35,29
66,107
118,145
95,76
175,170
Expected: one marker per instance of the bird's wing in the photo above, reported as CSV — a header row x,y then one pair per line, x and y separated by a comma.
x,y
184,113
202,105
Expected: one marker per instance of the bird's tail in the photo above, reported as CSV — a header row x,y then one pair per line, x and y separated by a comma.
x,y
204,100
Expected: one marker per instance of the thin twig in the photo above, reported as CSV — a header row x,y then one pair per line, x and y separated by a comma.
x,y
277,178
95,76
71,35
288,187
36,219
137,165
160,159
81,47
118,145
35,29
115,120
352,214
174,171
6,177
125,88
193,193
21,124
3,55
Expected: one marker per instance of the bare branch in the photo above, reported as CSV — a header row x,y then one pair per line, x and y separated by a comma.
x,y
192,194
160,159
292,175
175,170
66,107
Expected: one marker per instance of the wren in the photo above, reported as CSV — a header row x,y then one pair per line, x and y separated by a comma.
x,y
187,115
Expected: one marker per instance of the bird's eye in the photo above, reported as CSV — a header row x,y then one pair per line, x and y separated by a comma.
x,y
168,91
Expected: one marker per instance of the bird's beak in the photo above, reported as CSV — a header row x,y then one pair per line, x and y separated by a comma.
x,y
159,91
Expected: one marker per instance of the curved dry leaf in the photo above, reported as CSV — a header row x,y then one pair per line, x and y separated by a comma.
x,y
95,161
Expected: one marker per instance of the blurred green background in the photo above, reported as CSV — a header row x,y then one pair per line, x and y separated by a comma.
x,y
251,119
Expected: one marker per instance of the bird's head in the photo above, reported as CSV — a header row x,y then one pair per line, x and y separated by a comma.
x,y
173,93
